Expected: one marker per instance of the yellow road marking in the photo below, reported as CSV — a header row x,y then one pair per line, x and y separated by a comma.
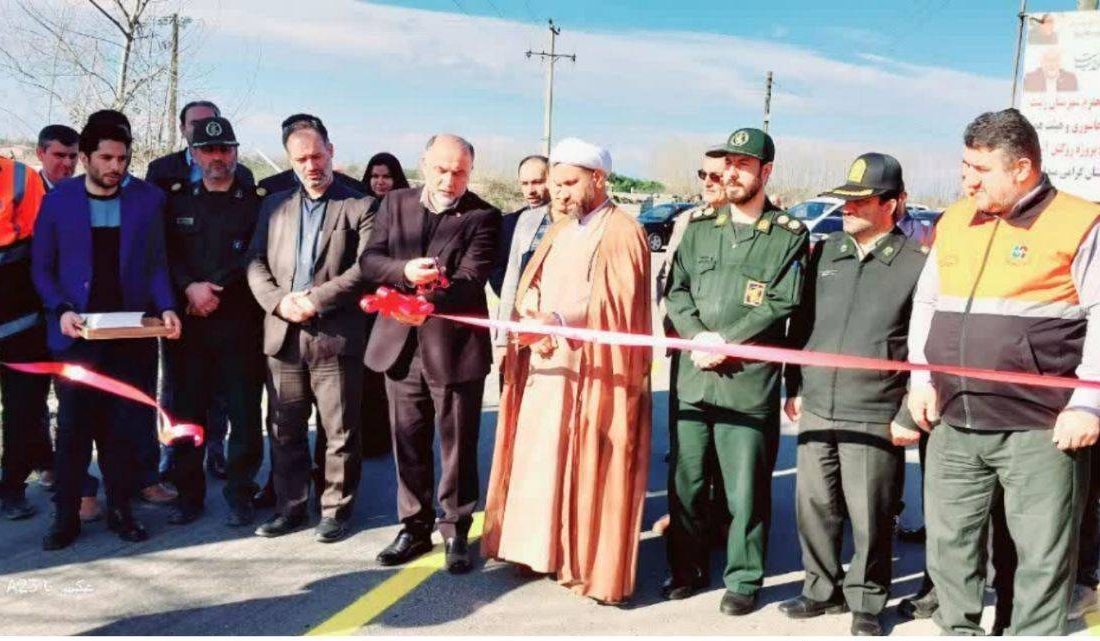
x,y
372,604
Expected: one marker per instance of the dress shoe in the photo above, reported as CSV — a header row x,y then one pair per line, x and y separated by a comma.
x,y
240,515
215,464
457,555
182,515
675,588
159,493
61,534
803,607
89,509
279,525
736,605
866,625
122,523
16,509
921,606
264,499
406,547
330,530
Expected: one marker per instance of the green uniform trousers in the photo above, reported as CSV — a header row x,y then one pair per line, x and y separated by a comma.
x,y
745,447
846,468
1044,491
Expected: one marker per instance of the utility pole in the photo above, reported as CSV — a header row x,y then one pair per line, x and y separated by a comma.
x,y
551,57
768,103
1019,50
173,80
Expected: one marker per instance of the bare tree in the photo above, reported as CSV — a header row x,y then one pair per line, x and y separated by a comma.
x,y
85,55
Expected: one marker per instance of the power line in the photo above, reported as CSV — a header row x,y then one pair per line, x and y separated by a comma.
x,y
495,8
460,7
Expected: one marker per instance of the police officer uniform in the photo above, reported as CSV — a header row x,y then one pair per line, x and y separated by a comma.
x,y
208,240
857,301
740,281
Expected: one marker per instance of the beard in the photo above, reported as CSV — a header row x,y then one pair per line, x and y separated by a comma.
x,y
104,180
741,194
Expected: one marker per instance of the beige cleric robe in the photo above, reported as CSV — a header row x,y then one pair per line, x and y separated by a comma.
x,y
575,426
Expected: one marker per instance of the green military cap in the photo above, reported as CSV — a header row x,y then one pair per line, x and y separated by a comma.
x,y
748,142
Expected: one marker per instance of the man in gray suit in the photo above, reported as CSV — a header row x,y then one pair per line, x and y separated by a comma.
x,y
520,233
305,275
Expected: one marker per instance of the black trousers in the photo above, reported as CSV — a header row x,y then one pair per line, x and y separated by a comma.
x,y
25,417
211,360
302,375
417,409
1088,555
118,427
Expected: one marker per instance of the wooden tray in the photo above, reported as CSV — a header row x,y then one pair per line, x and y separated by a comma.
x,y
151,328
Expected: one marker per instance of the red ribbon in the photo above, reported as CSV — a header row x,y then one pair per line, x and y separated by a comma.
x,y
387,301
168,431
772,354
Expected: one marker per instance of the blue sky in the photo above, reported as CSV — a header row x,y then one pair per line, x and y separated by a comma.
x,y
654,81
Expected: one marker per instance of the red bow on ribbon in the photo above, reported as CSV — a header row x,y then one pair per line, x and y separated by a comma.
x,y
168,432
390,302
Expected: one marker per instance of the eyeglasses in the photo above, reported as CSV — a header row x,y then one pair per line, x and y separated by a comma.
x,y
709,177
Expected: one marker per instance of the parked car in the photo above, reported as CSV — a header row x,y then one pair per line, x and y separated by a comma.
x,y
658,221
821,215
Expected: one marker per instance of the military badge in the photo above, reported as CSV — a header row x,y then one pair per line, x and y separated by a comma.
x,y
261,191
177,186
763,225
754,294
793,225
782,219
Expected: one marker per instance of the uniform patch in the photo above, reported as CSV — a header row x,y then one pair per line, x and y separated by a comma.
x,y
782,219
794,225
888,250
763,225
754,294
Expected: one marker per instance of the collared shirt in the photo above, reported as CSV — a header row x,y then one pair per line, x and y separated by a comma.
x,y
46,181
309,231
196,171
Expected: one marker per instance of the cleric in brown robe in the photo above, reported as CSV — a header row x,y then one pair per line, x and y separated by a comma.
x,y
575,416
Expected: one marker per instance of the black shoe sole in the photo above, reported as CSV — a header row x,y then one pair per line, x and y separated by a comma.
x,y
839,608
274,534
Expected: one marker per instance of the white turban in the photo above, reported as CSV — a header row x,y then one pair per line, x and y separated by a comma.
x,y
576,152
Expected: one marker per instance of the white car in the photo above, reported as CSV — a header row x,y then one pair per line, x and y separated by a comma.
x,y
821,215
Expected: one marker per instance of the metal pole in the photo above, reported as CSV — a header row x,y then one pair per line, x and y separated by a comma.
x,y
1019,49
548,111
768,103
173,81
1088,5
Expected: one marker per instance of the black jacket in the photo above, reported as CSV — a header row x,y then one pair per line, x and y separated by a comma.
x,y
465,242
173,168
858,308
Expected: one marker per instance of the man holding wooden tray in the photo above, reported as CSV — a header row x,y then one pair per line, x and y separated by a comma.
x,y
99,248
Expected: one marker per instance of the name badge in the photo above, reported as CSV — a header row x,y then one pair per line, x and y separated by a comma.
x,y
186,221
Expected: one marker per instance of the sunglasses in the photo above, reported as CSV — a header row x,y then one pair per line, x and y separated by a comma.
x,y
711,177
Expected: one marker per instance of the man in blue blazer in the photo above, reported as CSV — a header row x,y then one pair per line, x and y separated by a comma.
x,y
99,247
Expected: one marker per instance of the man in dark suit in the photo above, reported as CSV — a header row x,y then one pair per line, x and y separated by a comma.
x,y
99,247
288,179
180,167
435,369
305,275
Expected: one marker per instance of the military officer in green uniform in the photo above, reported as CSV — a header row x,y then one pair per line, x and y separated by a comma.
x,y
209,225
857,300
736,277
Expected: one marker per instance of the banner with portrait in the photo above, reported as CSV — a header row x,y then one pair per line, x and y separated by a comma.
x,y
1059,92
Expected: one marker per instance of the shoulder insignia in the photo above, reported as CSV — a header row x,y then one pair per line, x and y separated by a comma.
x,y
924,249
889,249
763,225
177,186
261,192
703,214
794,225
782,219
